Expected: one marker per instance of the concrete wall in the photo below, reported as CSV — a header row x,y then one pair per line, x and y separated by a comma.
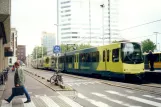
x,y
5,7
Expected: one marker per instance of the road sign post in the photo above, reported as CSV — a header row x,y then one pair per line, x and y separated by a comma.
x,y
57,50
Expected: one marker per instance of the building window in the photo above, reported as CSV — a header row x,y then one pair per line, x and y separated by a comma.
x,y
74,32
10,60
65,28
65,2
66,15
65,7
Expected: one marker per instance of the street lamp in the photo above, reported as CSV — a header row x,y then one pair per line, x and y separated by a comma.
x,y
159,46
42,50
57,32
102,6
156,38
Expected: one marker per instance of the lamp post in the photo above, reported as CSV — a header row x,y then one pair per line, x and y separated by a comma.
x,y
90,20
156,39
159,46
102,6
42,50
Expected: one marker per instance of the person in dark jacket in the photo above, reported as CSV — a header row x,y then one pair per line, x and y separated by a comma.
x,y
151,60
19,80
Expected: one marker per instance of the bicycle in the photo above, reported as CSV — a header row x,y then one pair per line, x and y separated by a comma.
x,y
56,79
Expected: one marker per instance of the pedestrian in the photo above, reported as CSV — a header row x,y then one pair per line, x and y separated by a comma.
x,y
19,80
13,68
151,60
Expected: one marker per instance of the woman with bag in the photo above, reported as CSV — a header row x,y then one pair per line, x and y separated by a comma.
x,y
19,88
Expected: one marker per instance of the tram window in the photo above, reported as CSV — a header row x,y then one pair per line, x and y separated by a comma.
x,y
156,57
75,58
108,55
115,55
103,56
95,56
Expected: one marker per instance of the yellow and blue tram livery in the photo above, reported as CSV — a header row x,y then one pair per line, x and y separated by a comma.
x,y
157,60
118,60
47,62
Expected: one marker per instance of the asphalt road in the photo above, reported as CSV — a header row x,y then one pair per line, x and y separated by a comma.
x,y
93,93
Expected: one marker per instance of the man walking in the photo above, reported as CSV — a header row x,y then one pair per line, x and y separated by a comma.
x,y
19,80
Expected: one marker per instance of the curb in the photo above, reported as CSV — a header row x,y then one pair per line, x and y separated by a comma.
x,y
43,78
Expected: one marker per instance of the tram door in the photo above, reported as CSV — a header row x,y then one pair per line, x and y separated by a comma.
x,y
76,61
106,58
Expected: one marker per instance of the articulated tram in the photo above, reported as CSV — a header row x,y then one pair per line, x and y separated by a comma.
x,y
118,60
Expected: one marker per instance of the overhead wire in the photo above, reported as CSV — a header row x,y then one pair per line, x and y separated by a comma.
x,y
140,25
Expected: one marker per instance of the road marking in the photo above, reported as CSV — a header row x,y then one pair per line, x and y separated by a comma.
x,y
6,104
149,96
77,84
69,84
96,103
85,83
116,93
48,101
69,101
136,99
145,101
129,91
31,104
113,100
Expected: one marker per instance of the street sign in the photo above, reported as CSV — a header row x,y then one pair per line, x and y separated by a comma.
x,y
56,49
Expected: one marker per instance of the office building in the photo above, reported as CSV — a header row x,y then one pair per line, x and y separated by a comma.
x,y
48,40
87,21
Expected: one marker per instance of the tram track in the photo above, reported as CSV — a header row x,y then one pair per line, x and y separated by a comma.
x,y
151,87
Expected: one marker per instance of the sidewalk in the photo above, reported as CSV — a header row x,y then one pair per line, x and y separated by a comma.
x,y
41,95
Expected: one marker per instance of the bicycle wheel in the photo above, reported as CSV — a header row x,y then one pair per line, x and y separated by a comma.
x,y
53,79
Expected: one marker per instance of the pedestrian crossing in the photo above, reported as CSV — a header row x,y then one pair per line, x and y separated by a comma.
x,y
94,99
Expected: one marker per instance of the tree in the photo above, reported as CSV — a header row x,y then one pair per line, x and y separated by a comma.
x,y
148,45
115,41
39,52
70,47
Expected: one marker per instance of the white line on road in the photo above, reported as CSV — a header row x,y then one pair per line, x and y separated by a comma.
x,y
70,84
48,101
149,96
96,103
145,101
6,104
113,100
129,91
69,101
31,104
136,98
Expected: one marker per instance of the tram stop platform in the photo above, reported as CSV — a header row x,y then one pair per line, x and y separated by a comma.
x,y
153,75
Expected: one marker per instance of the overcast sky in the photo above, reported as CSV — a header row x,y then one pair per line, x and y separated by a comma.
x,y
32,17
